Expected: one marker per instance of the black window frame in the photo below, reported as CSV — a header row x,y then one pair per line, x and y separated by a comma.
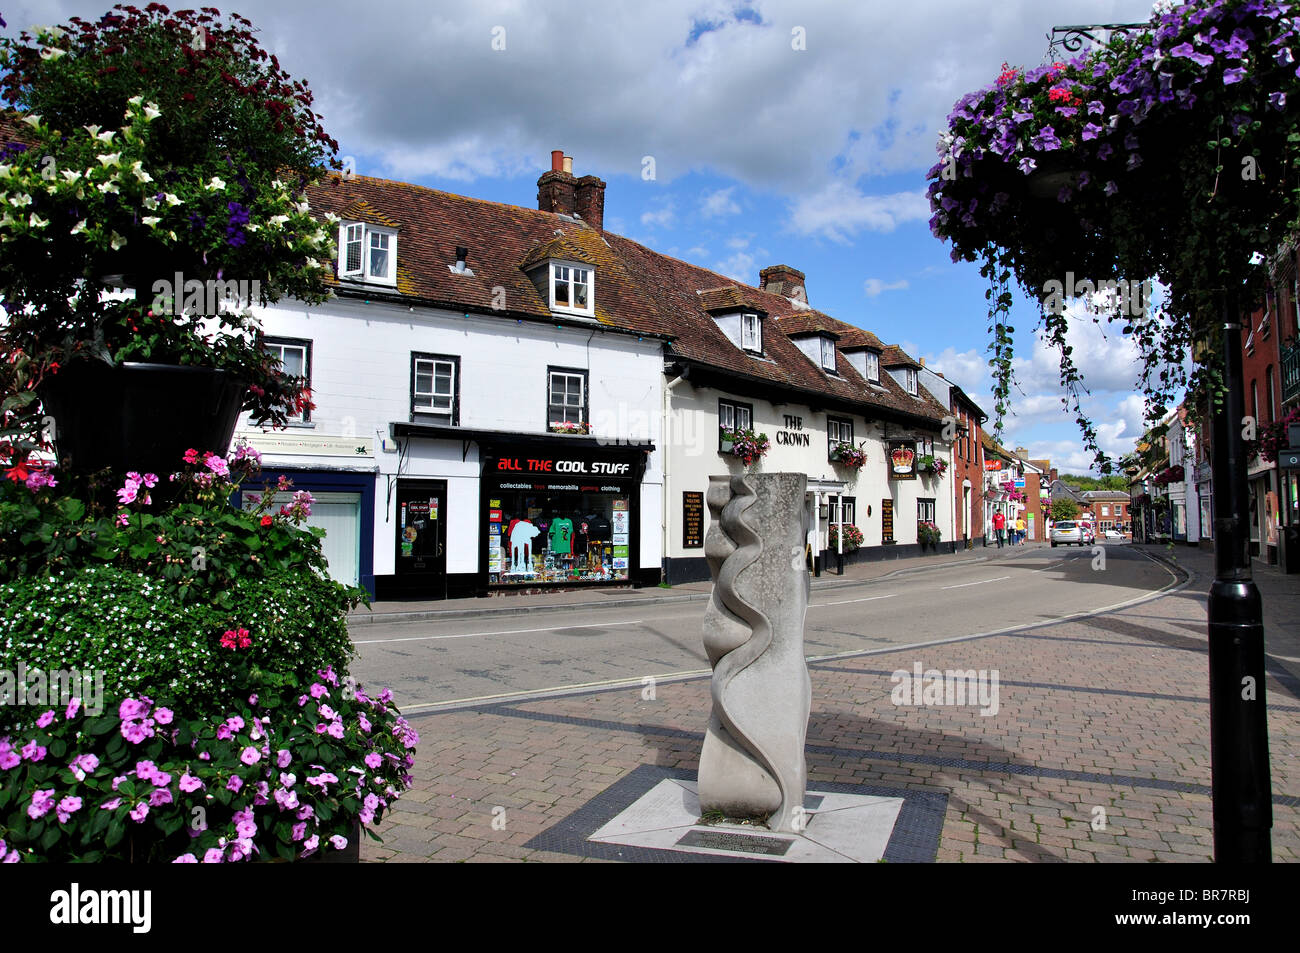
x,y
304,343
454,360
841,422
735,405
586,393
849,505
934,509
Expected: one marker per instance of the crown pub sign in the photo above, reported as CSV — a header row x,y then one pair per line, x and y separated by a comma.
x,y
902,461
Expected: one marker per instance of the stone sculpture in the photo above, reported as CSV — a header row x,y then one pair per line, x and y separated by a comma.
x,y
752,763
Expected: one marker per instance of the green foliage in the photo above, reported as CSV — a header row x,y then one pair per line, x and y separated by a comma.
x,y
1095,483
1064,509
129,627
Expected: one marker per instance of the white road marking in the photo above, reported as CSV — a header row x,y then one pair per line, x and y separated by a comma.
x,y
470,635
845,602
979,583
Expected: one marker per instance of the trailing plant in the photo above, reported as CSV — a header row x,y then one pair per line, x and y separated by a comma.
x,y
928,534
747,444
853,538
847,455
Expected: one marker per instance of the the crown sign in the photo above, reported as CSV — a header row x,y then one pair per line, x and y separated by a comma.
x,y
902,458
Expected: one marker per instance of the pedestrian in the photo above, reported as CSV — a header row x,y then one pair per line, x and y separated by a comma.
x,y
1020,532
999,525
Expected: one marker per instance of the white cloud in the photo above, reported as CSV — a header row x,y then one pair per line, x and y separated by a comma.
x,y
719,202
742,266
840,210
661,217
875,286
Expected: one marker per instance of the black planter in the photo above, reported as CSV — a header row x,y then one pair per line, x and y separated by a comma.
x,y
140,417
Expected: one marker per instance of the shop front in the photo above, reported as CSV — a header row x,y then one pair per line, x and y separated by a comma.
x,y
554,516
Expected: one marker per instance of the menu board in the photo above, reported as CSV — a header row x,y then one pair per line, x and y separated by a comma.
x,y
692,519
886,521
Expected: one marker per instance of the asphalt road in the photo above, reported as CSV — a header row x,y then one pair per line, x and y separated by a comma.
x,y
436,664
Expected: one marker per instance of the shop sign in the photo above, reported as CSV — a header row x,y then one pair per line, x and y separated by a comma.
x,y
887,521
902,461
793,435
992,464
551,465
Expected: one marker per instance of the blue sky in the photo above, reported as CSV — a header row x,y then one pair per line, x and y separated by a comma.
x,y
780,132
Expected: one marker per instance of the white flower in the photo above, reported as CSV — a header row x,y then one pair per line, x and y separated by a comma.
x,y
331,217
217,184
18,201
110,158
140,173
277,219
72,175
34,120
38,222
117,241
93,130
152,112
171,199
106,136
136,100
150,202
251,227
7,220
5,171
110,187
151,220
172,236
51,53
78,228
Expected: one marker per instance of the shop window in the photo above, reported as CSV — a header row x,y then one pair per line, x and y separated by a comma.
x,y
566,397
435,388
556,535
294,355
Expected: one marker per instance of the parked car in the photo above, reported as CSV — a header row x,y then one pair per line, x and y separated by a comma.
x,y
1089,534
1113,534
1067,532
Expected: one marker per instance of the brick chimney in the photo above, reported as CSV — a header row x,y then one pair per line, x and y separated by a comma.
x,y
783,280
556,189
589,201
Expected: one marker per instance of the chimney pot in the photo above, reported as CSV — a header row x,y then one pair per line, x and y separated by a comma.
x,y
568,164
557,160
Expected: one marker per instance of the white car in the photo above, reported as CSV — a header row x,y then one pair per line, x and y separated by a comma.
x,y
1113,534
1067,532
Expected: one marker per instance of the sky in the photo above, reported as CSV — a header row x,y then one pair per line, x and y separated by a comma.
x,y
731,135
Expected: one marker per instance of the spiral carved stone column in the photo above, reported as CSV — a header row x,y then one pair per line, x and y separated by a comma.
x,y
752,763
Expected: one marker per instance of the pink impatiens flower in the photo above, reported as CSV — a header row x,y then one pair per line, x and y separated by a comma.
x,y
140,812
250,755
42,803
66,808
71,711
33,752
189,784
282,758
339,841
186,859
45,719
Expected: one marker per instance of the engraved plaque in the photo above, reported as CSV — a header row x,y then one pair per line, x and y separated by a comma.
x,y
730,840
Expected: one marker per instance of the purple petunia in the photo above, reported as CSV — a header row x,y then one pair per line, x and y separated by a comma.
x,y
1231,76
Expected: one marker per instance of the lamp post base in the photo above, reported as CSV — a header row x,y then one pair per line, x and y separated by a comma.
x,y
1243,801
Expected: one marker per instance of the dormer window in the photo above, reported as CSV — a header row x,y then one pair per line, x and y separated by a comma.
x,y
368,253
828,355
911,381
571,288
751,333
873,367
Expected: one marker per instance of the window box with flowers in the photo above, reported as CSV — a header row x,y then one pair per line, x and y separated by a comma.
x,y
853,538
928,534
578,428
746,444
847,455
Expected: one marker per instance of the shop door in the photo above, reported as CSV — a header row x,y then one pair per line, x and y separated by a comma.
x,y
339,514
421,539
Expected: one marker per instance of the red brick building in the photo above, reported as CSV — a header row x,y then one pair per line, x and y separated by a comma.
x,y
965,424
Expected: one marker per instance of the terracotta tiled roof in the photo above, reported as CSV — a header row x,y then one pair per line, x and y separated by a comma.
x,y
673,284
730,298
500,238
812,322
895,356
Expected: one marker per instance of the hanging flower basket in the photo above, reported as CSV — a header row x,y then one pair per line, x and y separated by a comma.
x,y
847,455
930,465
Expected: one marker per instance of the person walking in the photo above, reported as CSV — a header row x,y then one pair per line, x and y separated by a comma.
x,y
1020,532
999,525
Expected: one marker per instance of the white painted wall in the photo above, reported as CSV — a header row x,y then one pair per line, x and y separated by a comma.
x,y
691,440
361,364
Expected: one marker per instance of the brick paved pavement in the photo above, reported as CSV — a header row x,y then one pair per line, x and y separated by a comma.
x,y
1109,712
